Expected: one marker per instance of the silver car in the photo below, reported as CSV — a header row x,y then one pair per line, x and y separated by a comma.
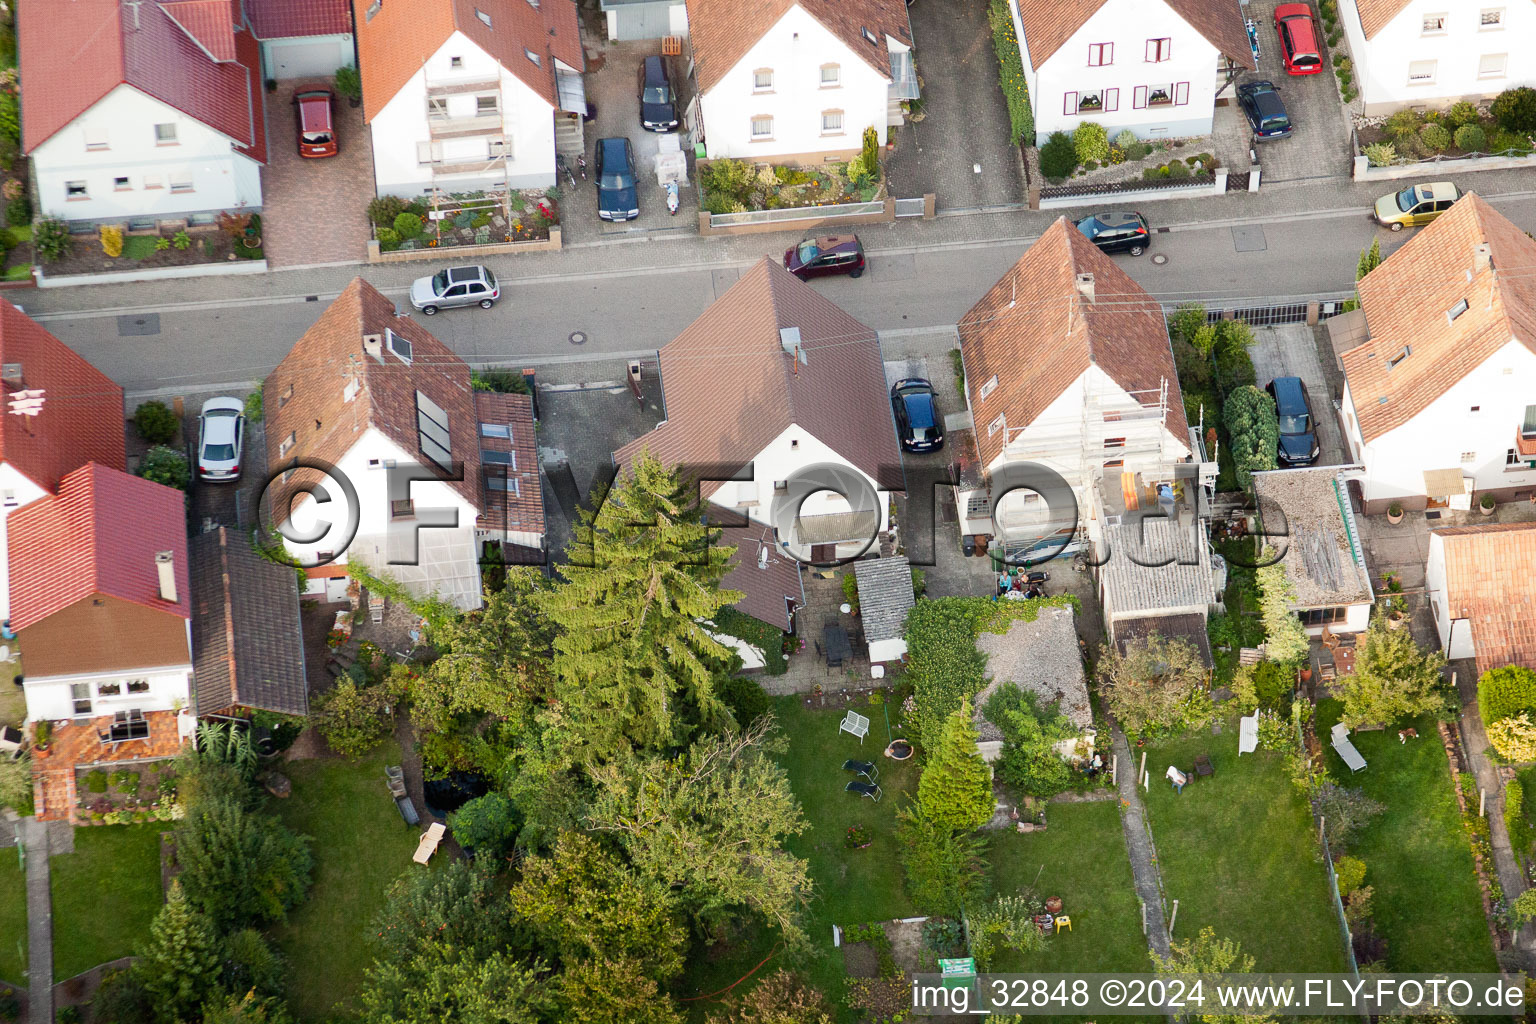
x,y
455,286
220,439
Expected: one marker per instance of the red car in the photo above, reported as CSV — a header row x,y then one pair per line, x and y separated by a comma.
x,y
818,257
1298,39
314,113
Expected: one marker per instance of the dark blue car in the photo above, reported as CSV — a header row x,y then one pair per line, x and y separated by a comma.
x,y
918,424
1298,431
1265,110
616,197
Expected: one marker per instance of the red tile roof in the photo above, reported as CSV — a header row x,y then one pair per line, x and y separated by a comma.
x,y
1037,333
722,31
1488,581
1048,24
767,579
98,535
280,19
82,416
1406,299
729,387
400,38
520,507
144,46
209,23
306,396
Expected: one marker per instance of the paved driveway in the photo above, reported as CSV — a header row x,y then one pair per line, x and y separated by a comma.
x,y
1319,146
1292,351
315,210
966,122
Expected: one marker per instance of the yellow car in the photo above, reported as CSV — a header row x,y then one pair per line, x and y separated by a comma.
x,y
1415,205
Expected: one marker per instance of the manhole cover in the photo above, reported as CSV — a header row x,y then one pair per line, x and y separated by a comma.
x,y
578,337
138,326
1160,259
1249,239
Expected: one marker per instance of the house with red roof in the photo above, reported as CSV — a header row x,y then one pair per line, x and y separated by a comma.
x,y
140,112
463,95
301,38
78,419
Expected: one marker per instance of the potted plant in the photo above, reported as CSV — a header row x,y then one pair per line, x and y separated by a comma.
x,y
1486,504
349,85
1397,612
42,737
1394,513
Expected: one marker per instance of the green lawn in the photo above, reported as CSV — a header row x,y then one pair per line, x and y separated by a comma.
x,y
360,845
1426,905
1081,858
13,918
105,895
1237,852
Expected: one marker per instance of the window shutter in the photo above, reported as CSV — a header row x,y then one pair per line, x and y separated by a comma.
x,y
1180,93
1069,103
1139,97
1111,100
1167,49
1151,51
1108,54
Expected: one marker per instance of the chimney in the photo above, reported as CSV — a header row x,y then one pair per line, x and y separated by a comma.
x,y
165,565
1085,286
11,373
1482,257
373,344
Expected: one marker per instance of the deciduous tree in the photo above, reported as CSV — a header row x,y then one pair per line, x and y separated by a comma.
x,y
1031,729
1205,954
1285,638
1158,684
612,992
780,998
955,789
1393,679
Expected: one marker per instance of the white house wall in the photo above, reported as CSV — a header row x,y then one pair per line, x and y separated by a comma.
x,y
51,698
527,122
1382,64
795,49
16,491
116,138
1127,25
448,562
1447,429
1455,630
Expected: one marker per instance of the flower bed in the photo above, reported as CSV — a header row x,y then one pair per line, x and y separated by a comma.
x,y
91,253
123,796
1408,136
1086,157
734,186
463,219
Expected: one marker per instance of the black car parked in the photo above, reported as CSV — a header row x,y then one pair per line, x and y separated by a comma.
x,y
1298,431
616,197
918,424
658,103
1117,231
1265,110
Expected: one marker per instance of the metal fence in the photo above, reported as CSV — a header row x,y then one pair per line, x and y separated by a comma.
x,y
793,213
1110,188
1270,316
909,207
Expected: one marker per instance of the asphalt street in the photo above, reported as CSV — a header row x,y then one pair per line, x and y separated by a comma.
x,y
204,334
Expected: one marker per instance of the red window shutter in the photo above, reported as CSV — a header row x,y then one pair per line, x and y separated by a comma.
x,y
1093,55
1151,50
1111,100
1180,93
1139,97
1107,54
1167,51
1069,103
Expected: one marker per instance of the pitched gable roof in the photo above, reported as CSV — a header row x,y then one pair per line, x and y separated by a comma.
x,y
1048,24
722,31
730,388
82,415
885,596
307,395
402,35
278,19
1488,581
517,507
245,629
176,51
99,535
767,579
1037,334
1376,15
1406,300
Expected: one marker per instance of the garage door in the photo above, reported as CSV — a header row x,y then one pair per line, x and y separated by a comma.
x,y
643,21
305,59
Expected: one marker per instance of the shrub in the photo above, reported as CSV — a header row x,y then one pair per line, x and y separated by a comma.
x,y
869,154
96,781
1514,737
155,422
182,241
1502,692
487,824
166,466
1381,154
1090,142
1345,812
1058,157
1470,138
1345,78
1091,165
1137,151
1462,113
18,211
383,210
747,699
1436,137
51,240
1116,155
1253,432
1521,834
1503,141
10,116
389,239
1010,66
1350,872
111,241
1515,109
353,720
1177,169
348,83
12,188
1403,124
1126,139
408,225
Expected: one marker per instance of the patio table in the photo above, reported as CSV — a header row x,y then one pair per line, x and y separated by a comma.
x,y
834,640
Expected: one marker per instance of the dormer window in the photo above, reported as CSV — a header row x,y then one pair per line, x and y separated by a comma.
x,y
399,345
1456,311
284,398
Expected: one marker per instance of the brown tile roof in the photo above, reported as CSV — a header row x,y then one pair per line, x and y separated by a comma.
x,y
1406,300
729,388
767,580
175,51
306,396
401,36
1488,580
1048,24
278,19
82,416
1037,334
519,508
722,31
248,650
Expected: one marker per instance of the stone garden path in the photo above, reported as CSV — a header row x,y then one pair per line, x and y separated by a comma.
x,y
32,836
1138,843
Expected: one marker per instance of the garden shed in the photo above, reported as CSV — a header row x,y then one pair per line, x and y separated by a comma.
x,y
885,597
